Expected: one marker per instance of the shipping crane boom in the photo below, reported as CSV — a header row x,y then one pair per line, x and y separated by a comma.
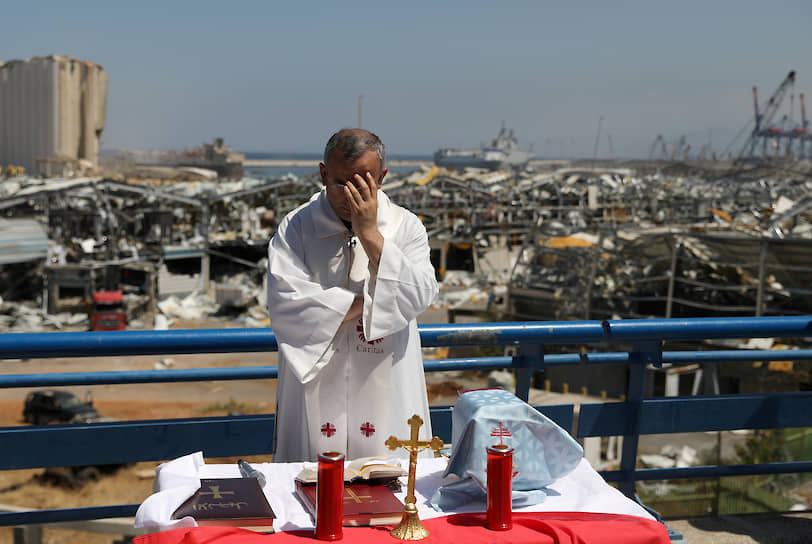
x,y
764,114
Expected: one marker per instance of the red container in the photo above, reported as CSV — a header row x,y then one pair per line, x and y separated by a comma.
x,y
330,496
500,488
108,311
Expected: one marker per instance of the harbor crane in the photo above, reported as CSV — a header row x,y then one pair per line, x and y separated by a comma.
x,y
681,149
661,141
800,132
764,115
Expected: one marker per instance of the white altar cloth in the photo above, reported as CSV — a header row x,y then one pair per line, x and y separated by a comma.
x,y
582,490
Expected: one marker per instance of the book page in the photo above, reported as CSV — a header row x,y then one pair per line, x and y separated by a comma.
x,y
363,468
374,467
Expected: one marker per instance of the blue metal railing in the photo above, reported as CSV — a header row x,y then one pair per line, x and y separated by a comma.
x,y
642,340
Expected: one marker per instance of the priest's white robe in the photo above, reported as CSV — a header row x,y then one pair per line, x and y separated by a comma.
x,y
347,387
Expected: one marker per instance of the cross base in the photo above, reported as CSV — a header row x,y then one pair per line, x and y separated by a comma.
x,y
410,527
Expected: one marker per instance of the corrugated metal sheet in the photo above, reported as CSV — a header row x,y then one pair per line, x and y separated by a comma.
x,y
22,240
52,108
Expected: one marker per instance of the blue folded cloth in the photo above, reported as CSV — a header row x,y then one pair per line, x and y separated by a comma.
x,y
542,451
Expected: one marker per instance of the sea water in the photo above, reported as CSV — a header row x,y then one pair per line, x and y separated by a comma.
x,y
278,171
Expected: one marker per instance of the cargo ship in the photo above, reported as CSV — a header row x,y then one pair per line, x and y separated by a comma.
x,y
503,152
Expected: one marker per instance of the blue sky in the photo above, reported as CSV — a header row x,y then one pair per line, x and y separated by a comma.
x,y
282,76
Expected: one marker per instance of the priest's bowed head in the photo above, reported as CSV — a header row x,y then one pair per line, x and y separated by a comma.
x,y
348,274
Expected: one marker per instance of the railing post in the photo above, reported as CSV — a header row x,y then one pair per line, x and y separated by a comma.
x,y
529,358
672,278
28,534
762,277
593,270
205,260
643,354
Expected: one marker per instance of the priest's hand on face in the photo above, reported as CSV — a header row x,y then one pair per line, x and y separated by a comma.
x,y
362,195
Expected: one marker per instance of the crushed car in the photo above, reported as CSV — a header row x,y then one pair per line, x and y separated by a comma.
x,y
54,406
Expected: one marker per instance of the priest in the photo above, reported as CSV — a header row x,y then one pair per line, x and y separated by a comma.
x,y
348,273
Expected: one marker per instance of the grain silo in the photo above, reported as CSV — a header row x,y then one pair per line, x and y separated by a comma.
x,y
52,113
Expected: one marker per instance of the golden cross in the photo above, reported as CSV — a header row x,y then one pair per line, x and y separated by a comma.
x,y
215,492
413,445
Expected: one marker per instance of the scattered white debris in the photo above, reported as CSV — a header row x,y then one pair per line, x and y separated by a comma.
x,y
502,378
163,364
161,322
671,456
759,343
457,298
194,306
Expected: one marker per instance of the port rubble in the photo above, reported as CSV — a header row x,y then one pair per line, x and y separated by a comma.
x,y
590,240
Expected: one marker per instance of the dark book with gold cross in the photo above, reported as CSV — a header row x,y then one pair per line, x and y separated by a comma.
x,y
363,504
236,502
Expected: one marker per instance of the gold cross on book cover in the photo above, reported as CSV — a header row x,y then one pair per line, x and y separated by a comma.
x,y
364,504
237,502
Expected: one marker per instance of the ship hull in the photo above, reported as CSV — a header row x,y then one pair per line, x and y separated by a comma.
x,y
502,153
466,161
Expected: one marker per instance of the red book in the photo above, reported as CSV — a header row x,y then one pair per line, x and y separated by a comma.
x,y
363,504
236,502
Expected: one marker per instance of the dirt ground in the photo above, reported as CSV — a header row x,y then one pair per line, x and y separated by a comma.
x,y
132,484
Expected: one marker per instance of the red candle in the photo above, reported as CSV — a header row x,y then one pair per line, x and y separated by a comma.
x,y
500,472
329,496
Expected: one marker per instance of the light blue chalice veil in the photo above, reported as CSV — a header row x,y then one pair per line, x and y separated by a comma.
x,y
542,451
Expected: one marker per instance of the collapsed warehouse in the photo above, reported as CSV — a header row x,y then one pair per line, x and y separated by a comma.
x,y
567,243
644,240
150,241
655,246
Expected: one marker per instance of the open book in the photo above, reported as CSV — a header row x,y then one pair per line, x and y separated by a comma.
x,y
366,469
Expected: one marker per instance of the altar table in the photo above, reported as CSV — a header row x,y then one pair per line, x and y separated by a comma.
x,y
528,527
580,508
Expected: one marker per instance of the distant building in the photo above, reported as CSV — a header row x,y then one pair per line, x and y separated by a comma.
x,y
216,157
52,112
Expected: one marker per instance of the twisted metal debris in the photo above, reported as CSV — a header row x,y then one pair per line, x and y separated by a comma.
x,y
583,240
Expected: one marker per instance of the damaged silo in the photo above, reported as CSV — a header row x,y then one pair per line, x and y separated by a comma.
x,y
53,111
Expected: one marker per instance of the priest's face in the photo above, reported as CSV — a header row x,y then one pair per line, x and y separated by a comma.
x,y
337,172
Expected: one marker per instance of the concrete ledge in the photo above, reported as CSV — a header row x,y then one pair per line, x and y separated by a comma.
x,y
769,528
112,526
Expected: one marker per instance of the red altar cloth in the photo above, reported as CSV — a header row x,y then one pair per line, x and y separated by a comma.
x,y
528,527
